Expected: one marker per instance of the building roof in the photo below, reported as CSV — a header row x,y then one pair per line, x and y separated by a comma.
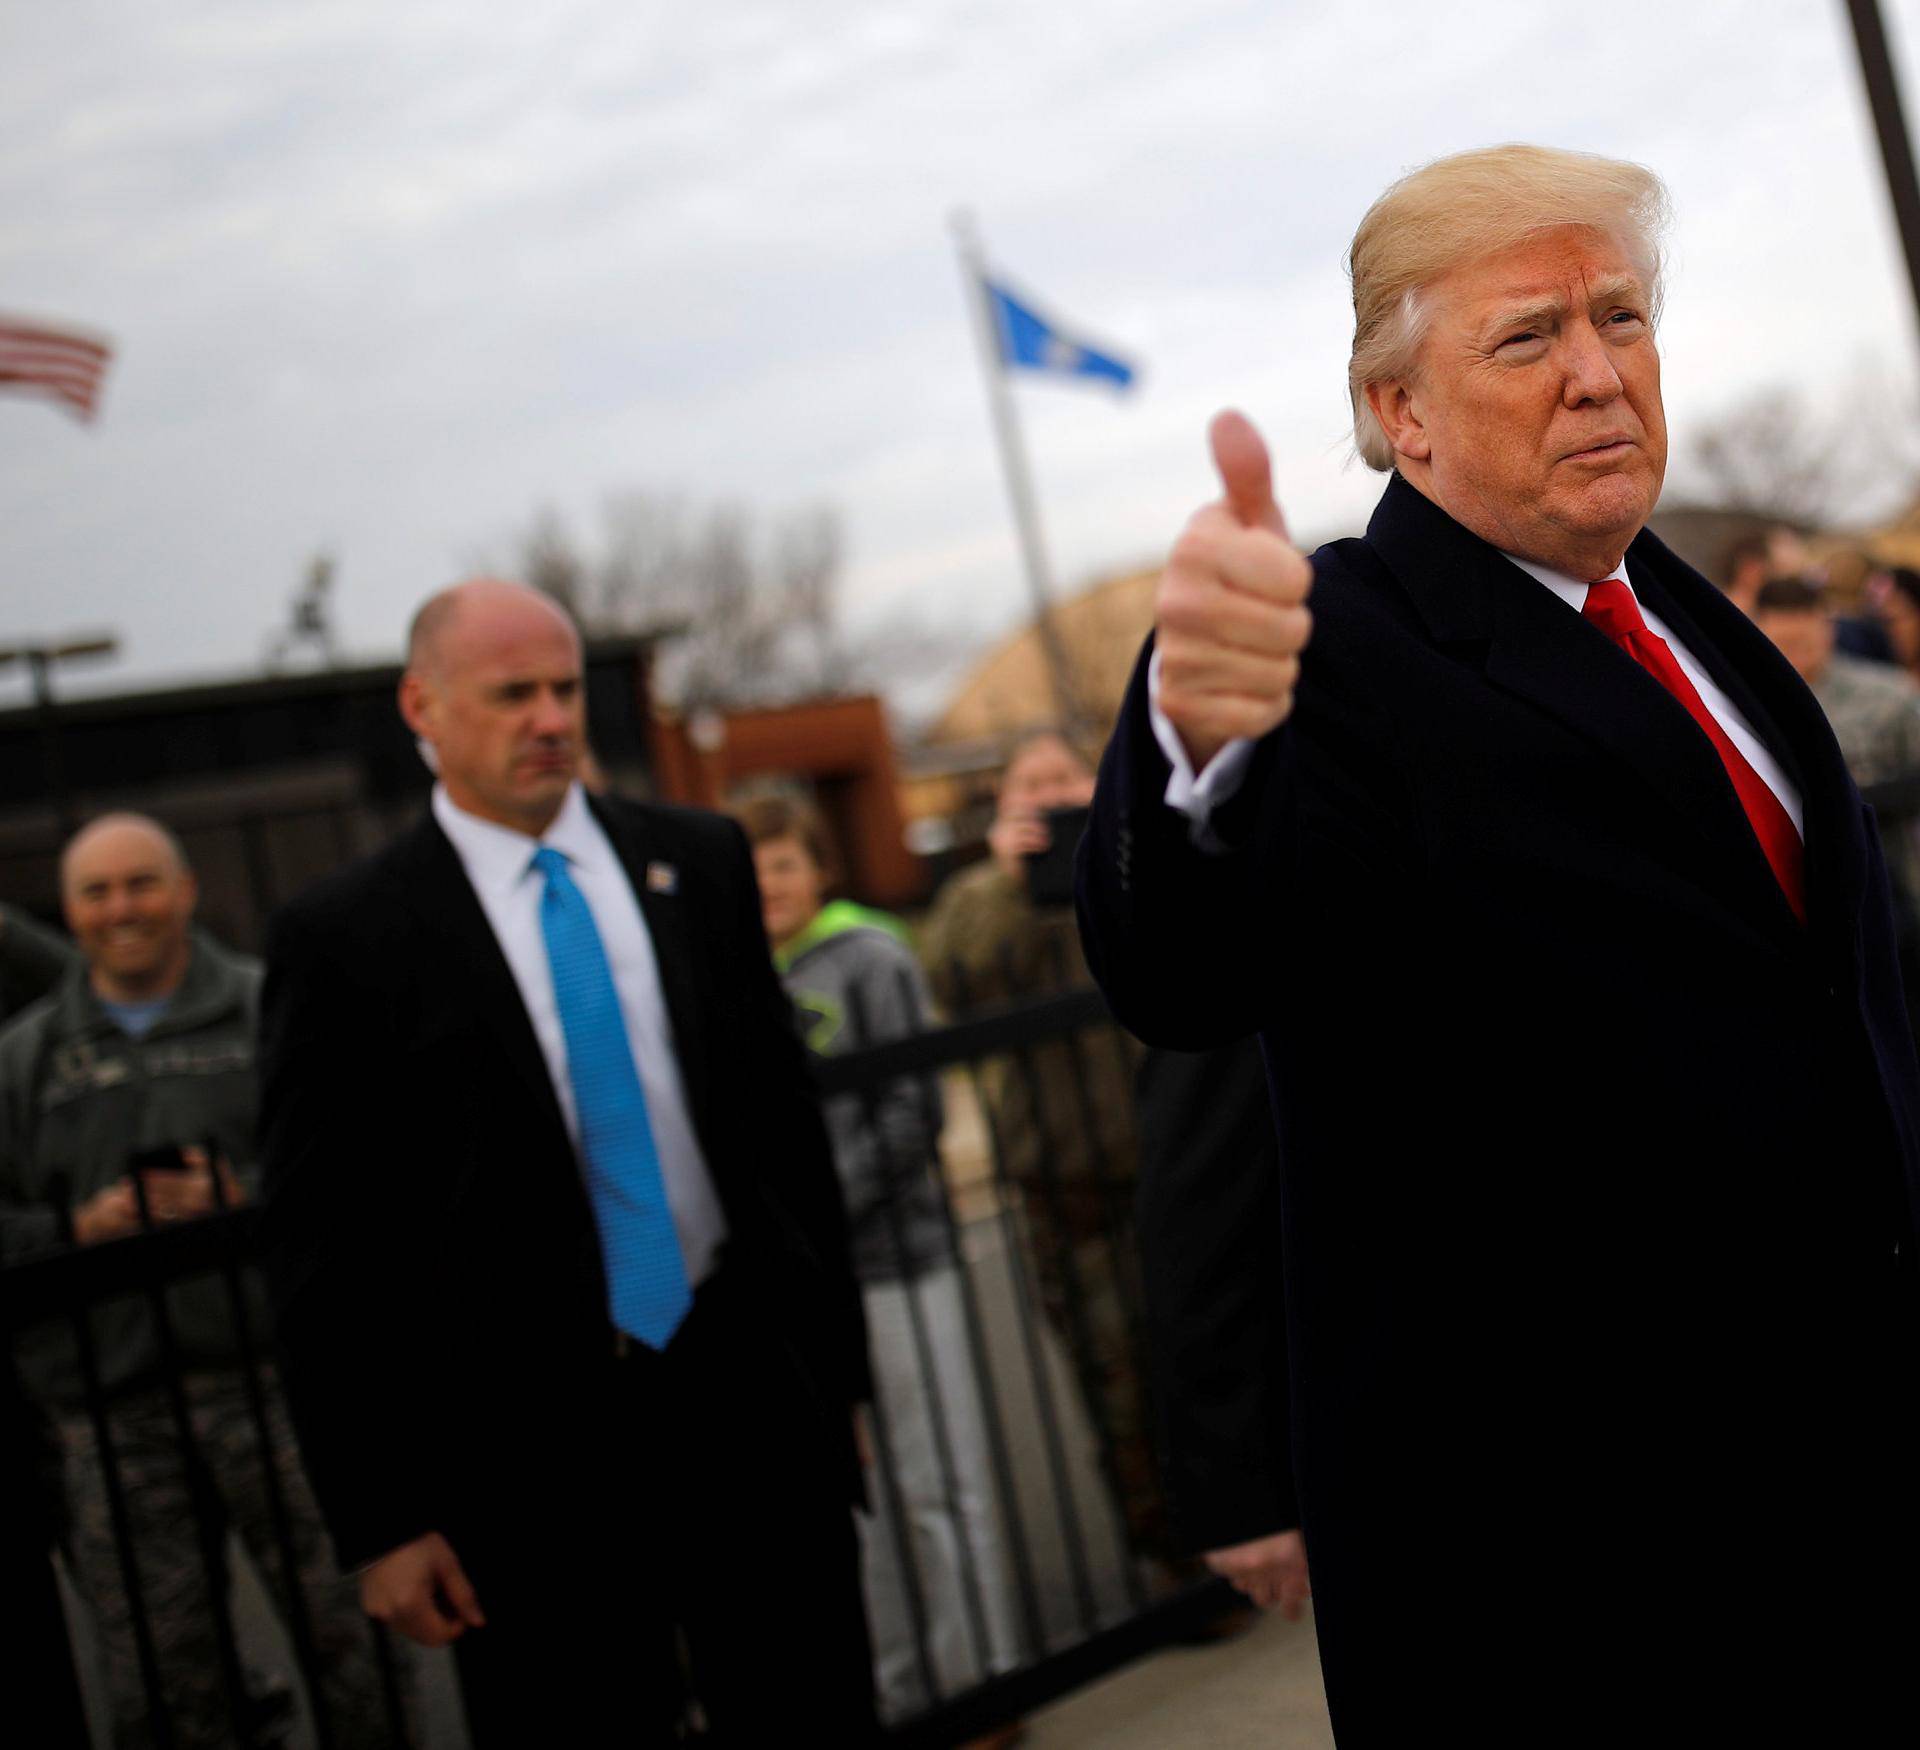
x,y
1008,689
320,683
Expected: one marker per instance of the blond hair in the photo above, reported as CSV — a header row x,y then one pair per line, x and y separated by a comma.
x,y
1465,207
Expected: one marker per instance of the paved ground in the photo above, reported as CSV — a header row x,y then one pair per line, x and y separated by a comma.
x,y
1259,1692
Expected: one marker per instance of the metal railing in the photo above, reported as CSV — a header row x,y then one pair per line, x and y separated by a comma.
x,y
1017,1393
64,1290
1047,1259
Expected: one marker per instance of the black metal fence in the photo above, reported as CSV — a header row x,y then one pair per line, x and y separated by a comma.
x,y
63,1294
1015,1551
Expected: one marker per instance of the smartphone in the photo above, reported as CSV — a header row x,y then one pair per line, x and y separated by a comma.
x,y
1050,872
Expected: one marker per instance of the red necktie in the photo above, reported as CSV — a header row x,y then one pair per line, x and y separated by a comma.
x,y
1611,607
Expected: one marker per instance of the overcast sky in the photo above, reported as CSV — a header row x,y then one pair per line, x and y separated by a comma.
x,y
385,278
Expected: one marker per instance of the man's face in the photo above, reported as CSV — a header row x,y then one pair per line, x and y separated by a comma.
x,y
1902,620
1804,637
129,903
503,706
1534,417
1045,774
1749,577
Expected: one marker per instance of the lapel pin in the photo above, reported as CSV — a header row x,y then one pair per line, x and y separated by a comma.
x,y
662,878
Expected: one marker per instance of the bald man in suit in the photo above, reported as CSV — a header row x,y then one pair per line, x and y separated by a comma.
x,y
571,1331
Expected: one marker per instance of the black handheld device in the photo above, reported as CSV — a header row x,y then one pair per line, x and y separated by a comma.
x,y
1050,872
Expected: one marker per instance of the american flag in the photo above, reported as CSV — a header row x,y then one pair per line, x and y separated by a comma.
x,y
39,359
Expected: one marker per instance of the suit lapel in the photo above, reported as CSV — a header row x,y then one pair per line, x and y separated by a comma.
x,y
1785,715
657,885
439,894
1731,651
1531,644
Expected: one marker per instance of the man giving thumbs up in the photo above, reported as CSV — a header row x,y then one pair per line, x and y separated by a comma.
x,y
1543,883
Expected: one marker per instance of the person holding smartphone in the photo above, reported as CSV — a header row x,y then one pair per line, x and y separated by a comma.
x,y
1003,931
138,1065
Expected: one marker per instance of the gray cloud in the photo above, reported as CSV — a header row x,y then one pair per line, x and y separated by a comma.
x,y
384,278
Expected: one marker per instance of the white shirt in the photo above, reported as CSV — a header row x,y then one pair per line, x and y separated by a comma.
x,y
1197,795
499,863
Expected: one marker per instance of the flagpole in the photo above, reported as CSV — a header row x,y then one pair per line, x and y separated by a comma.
x,y
1013,460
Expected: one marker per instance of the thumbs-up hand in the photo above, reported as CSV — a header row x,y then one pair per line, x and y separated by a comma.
x,y
1230,615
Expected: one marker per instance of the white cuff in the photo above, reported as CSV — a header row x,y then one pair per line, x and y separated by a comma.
x,y
1195,795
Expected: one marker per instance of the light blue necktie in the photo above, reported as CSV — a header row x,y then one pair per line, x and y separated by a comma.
x,y
647,1292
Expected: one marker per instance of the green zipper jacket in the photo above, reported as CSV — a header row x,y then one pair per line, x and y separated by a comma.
x,y
79,1098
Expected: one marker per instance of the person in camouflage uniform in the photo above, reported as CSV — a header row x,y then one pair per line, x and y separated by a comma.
x,y
1874,709
1061,1115
146,1044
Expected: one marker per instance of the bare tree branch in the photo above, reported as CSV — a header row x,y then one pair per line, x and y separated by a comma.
x,y
1775,456
759,601
550,561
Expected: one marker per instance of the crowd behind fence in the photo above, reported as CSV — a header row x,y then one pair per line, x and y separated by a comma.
x,y
1077,1595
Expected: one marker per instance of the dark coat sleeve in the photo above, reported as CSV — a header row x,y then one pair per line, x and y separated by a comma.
x,y
1210,1237
345,1252
1190,945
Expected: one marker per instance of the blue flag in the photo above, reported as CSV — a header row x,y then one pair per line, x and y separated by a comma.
x,y
1033,342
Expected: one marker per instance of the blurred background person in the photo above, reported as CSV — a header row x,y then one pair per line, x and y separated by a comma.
x,y
1063,1113
1745,565
143,1053
1897,599
855,982
1754,560
987,938
572,1337
1852,587
1874,710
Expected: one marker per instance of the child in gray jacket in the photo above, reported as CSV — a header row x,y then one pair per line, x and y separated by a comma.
x,y
855,981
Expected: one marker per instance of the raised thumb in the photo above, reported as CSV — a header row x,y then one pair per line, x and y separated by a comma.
x,y
1246,474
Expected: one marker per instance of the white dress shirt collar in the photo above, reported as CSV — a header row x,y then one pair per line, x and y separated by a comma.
x,y
1571,590
1743,735
498,858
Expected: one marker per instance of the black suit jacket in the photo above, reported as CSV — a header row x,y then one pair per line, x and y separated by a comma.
x,y
1208,1201
431,1249
1594,1160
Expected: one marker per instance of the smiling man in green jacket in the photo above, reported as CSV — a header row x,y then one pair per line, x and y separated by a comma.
x,y
145,1050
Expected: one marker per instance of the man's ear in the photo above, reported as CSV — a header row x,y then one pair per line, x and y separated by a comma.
x,y
1396,404
416,704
